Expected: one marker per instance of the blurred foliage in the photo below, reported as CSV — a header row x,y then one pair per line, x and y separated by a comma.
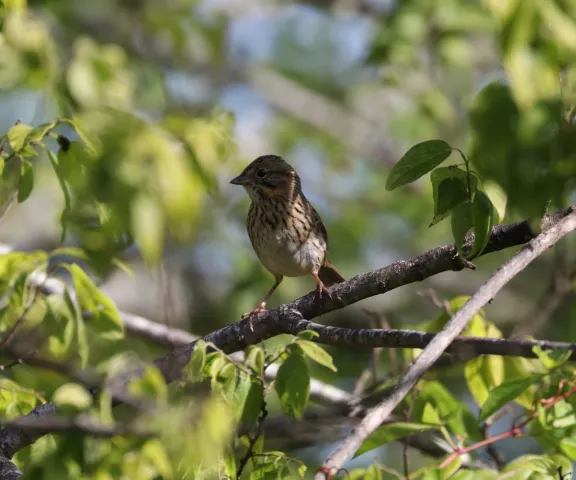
x,y
141,122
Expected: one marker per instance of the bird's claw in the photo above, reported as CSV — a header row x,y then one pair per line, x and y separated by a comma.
x,y
322,289
260,308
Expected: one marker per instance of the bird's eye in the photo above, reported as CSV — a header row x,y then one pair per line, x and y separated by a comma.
x,y
260,172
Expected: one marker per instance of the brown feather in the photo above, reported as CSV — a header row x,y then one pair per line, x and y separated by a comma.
x,y
330,275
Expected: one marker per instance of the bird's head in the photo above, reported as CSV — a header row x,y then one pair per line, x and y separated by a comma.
x,y
269,176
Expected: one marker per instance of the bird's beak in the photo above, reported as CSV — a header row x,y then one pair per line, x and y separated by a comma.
x,y
240,180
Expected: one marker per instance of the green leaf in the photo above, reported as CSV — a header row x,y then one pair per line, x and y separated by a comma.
x,y
80,330
452,468
564,29
308,334
430,415
195,367
498,198
391,432
105,318
26,181
568,446
65,192
150,383
494,365
124,267
10,181
482,222
60,323
80,131
551,358
228,467
505,393
255,359
238,387
450,189
563,415
452,412
105,407
474,374
538,464
518,367
293,384
155,451
418,161
370,473
17,136
253,403
38,133
317,353
148,227
476,474
71,162
461,223
72,396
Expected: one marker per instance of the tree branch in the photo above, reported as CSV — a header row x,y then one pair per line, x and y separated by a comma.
x,y
289,318
80,423
14,438
441,342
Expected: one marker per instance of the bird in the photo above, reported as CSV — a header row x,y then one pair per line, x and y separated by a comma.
x,y
285,230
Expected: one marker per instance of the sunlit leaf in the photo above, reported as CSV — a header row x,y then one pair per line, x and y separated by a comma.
x,y
255,359
293,384
195,367
155,452
391,432
148,227
474,374
17,136
38,133
317,353
105,319
72,395
430,415
308,334
150,383
505,393
552,358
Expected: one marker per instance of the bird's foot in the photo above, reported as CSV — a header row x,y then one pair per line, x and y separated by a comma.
x,y
322,290
260,308
250,315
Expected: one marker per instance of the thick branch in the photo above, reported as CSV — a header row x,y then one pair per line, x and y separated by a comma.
x,y
14,438
441,342
286,318
8,471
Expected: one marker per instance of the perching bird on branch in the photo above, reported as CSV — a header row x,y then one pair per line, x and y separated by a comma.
x,y
286,232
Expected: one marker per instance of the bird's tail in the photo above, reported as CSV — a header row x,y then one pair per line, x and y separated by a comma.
x,y
330,275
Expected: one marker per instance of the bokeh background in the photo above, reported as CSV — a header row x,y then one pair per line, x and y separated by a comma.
x,y
340,89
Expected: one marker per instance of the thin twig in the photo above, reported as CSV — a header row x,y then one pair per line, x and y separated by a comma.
x,y
81,423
